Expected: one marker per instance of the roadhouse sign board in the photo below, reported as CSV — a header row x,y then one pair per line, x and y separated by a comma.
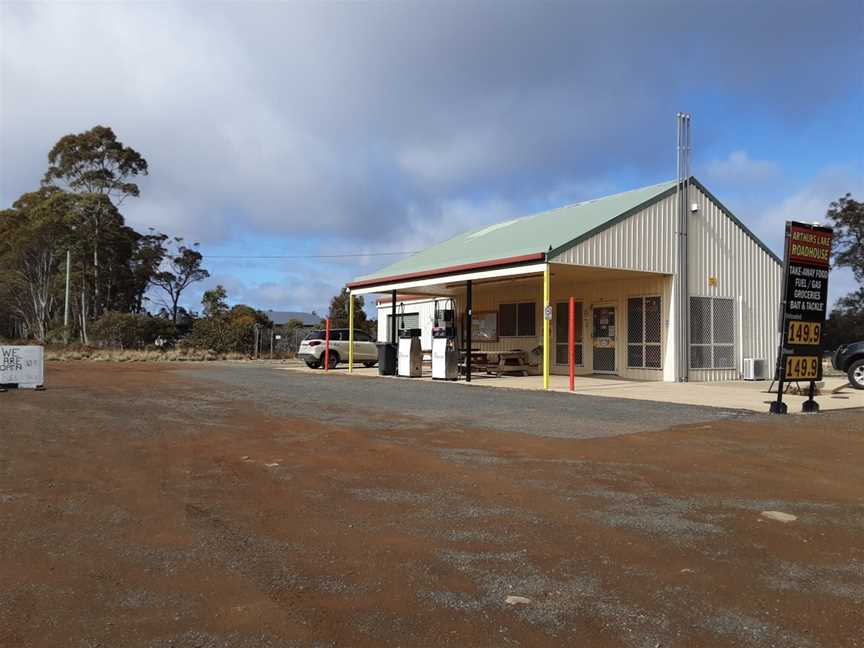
x,y
805,281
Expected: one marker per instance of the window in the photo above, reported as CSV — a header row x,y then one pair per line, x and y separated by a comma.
x,y
644,332
412,320
361,336
518,320
712,333
315,335
562,333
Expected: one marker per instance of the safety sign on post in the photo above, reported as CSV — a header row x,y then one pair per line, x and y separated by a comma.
x,y
807,263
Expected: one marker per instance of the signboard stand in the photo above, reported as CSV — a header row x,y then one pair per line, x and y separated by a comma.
x,y
806,266
810,406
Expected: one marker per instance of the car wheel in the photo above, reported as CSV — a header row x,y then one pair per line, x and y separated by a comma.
x,y
369,365
334,360
312,364
856,374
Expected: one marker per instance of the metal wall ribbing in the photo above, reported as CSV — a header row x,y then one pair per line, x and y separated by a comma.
x,y
718,248
644,242
723,254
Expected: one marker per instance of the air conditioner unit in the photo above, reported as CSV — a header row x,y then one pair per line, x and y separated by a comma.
x,y
753,369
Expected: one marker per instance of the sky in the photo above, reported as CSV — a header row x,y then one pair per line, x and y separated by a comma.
x,y
345,134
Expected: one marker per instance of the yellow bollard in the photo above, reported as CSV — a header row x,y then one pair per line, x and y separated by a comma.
x,y
350,332
546,324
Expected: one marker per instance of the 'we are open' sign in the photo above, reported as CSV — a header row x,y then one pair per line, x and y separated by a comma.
x,y
23,366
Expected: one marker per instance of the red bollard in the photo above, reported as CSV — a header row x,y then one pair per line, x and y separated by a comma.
x,y
571,345
327,346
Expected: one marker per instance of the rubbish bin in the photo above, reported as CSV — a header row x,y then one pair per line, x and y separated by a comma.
x,y
386,359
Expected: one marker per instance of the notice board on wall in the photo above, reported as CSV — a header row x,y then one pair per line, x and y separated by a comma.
x,y
484,326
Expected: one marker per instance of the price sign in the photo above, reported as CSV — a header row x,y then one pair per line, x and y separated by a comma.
x,y
805,292
802,367
799,332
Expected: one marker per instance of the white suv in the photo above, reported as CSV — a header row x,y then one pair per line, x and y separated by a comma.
x,y
312,348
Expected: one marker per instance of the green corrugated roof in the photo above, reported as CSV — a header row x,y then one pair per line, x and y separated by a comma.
x,y
522,236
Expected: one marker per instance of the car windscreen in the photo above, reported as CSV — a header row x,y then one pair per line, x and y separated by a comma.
x,y
316,335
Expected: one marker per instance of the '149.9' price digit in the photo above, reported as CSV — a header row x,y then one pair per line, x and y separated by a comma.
x,y
804,332
802,368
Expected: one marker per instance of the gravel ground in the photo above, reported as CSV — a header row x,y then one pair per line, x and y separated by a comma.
x,y
385,403
238,505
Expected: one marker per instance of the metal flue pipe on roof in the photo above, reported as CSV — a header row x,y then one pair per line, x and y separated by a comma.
x,y
682,193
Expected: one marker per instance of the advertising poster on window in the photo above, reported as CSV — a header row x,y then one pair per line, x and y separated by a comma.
x,y
484,326
805,295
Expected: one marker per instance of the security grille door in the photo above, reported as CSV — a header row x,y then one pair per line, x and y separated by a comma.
x,y
562,333
603,341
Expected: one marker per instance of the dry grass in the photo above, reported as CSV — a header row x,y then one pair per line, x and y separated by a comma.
x,y
60,354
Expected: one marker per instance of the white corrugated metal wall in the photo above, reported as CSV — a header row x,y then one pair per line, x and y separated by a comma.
x,y
423,307
742,270
719,248
644,242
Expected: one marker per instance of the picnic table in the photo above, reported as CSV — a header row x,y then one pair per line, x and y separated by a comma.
x,y
495,363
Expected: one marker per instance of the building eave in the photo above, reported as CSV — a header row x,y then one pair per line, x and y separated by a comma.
x,y
443,272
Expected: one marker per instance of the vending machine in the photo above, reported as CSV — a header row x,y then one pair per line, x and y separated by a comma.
x,y
445,357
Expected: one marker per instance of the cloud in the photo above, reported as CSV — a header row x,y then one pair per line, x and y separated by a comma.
x,y
741,168
361,120
809,203
361,127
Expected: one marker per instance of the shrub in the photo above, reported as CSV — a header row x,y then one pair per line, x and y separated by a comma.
x,y
231,331
131,331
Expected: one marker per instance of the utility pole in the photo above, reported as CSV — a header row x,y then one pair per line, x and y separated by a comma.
x,y
256,341
66,306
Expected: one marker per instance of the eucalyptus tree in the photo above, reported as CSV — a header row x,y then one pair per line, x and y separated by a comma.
x,y
34,235
180,269
96,165
847,218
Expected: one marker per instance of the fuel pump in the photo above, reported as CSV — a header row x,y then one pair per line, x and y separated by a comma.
x,y
409,354
445,359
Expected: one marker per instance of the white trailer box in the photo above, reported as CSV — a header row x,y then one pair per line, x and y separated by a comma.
x,y
23,366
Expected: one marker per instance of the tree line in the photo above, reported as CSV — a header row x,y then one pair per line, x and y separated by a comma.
x,y
71,269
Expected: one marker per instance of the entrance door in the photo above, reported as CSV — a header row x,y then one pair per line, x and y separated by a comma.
x,y
603,339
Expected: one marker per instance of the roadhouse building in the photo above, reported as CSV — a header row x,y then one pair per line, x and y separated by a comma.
x,y
668,283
